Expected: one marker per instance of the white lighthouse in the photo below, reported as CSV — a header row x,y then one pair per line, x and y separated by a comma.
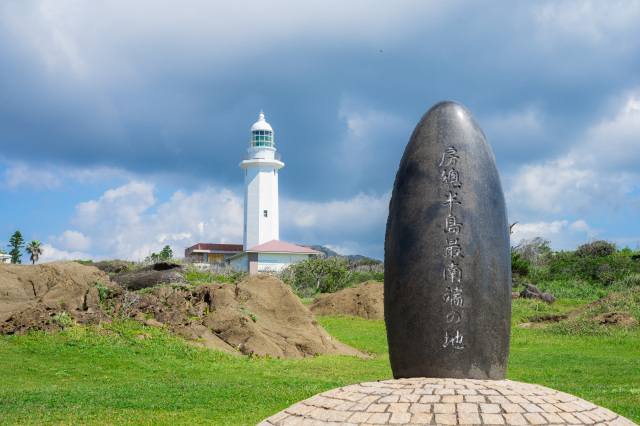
x,y
261,164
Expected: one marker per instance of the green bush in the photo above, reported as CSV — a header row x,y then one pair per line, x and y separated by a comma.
x,y
596,248
519,266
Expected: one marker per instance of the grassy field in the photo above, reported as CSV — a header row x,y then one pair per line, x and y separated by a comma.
x,y
129,374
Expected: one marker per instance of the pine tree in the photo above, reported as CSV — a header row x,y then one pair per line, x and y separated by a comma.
x,y
166,253
16,242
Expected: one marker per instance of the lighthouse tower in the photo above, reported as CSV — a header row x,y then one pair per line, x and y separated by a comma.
x,y
261,164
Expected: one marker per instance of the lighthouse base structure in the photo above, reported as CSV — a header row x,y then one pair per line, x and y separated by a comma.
x,y
427,401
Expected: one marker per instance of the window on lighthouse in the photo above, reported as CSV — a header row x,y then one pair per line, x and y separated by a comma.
x,y
265,213
261,138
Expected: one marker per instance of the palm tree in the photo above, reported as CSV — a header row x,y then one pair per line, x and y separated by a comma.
x,y
34,248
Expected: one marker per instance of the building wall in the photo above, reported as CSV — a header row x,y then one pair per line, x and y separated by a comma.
x,y
240,263
278,261
266,262
261,193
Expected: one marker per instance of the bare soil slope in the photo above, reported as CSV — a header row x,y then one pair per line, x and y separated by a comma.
x,y
366,301
258,315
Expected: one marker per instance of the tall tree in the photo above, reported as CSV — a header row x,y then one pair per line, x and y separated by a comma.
x,y
34,248
16,242
166,253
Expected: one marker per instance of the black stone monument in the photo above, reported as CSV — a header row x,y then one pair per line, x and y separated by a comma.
x,y
447,280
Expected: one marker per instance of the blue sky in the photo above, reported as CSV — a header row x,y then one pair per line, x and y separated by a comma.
x,y
122,123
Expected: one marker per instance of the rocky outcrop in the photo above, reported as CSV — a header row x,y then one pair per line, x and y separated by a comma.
x,y
150,276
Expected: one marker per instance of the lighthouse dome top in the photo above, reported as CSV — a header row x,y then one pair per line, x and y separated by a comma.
x,y
261,124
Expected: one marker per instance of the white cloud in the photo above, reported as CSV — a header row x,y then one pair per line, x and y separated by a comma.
x,y
354,215
100,39
20,175
74,240
128,222
37,176
599,172
587,21
564,235
613,146
52,254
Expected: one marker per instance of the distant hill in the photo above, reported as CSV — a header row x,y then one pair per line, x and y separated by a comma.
x,y
330,253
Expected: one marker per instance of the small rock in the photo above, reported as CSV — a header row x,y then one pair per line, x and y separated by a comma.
x,y
533,292
547,297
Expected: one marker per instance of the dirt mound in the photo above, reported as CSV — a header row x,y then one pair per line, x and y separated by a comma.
x,y
257,316
262,314
599,302
49,285
616,319
366,301
150,276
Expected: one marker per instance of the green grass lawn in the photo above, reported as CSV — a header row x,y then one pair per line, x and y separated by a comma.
x,y
110,375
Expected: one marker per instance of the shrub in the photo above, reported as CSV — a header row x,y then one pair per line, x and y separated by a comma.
x,y
518,265
536,250
596,248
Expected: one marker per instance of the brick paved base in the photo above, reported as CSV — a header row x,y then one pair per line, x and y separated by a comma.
x,y
445,402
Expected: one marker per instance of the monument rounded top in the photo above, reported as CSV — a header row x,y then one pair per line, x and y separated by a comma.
x,y
261,124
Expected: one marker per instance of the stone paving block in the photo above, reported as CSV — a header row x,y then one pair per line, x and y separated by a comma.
x,y
444,408
444,392
369,399
568,406
409,398
429,399
593,415
535,418
516,399
531,408
492,419
584,418
514,419
568,417
377,408
359,407
400,418
356,396
553,418
379,418
421,418
452,398
475,398
446,419
300,409
468,419
281,415
491,408
549,408
465,408
389,398
420,408
498,399
359,417
346,405
535,399
402,391
398,407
